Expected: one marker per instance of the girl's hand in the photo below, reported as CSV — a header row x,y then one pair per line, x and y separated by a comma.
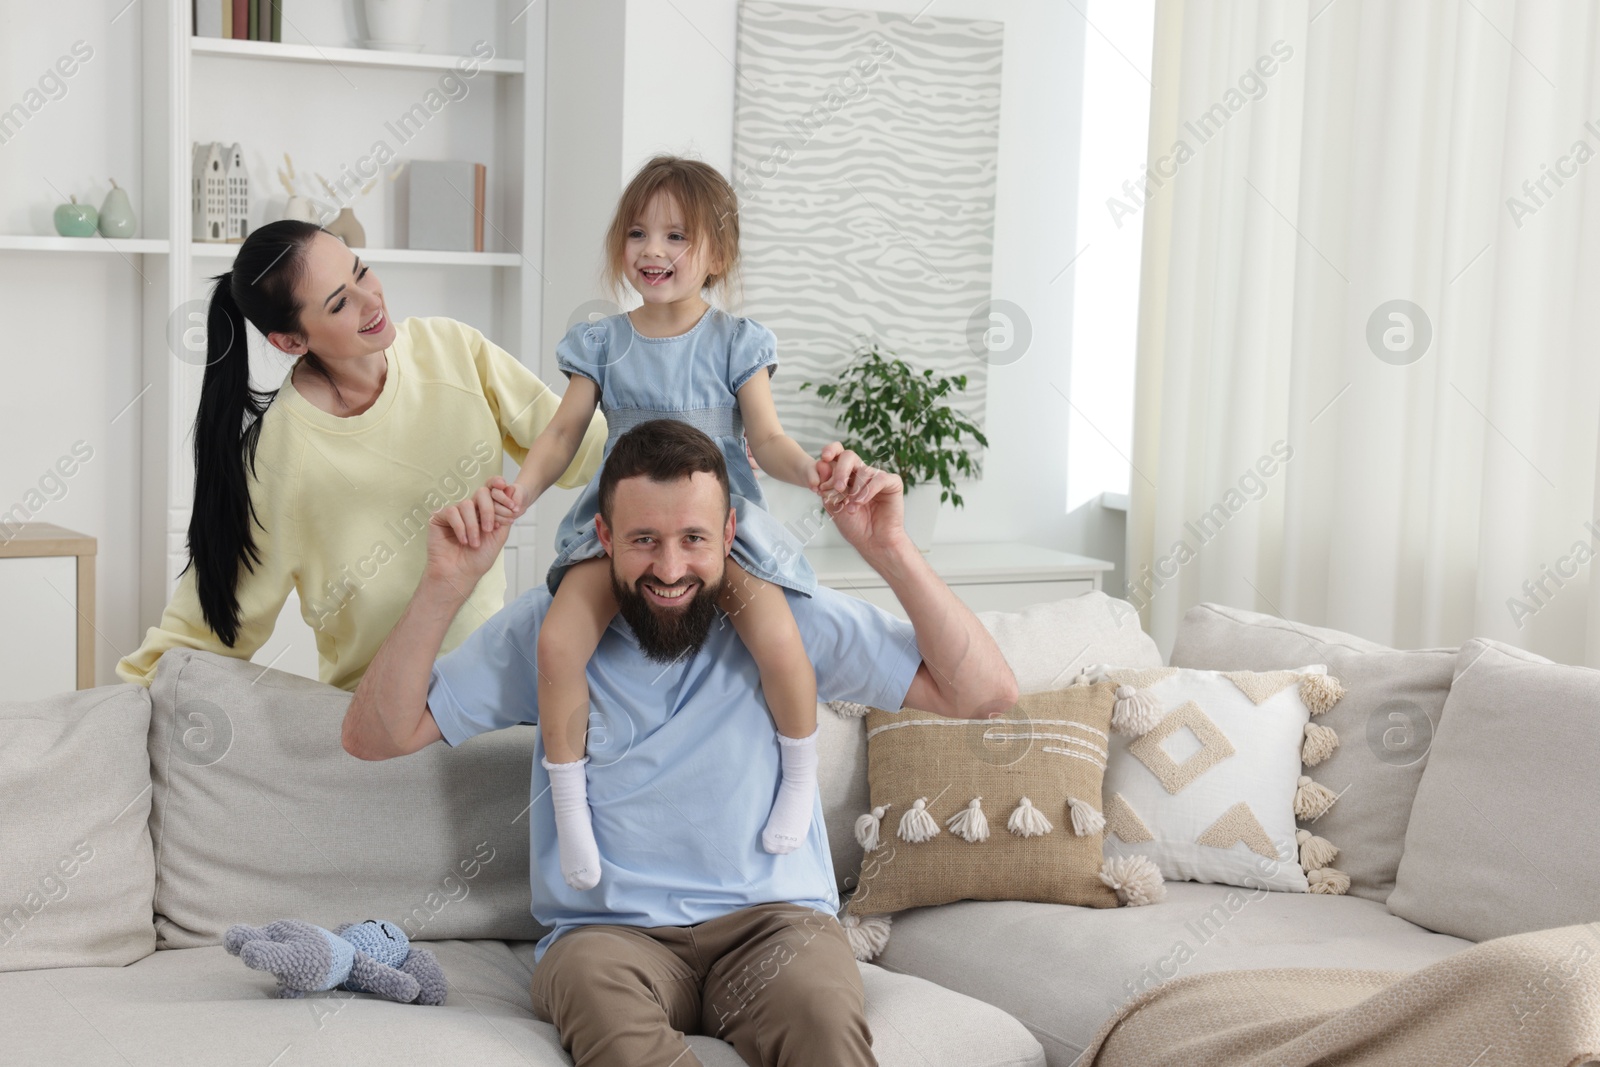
x,y
510,500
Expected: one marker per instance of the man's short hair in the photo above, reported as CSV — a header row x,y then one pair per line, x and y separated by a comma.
x,y
663,450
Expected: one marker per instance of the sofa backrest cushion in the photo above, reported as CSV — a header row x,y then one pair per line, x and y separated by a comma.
x,y
76,870
1385,722
260,814
1045,644
1501,838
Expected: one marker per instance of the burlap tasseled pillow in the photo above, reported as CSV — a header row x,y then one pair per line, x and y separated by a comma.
x,y
991,809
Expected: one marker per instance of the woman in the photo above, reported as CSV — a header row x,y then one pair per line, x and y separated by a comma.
x,y
327,485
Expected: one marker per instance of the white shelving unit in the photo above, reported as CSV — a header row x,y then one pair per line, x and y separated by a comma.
x,y
326,104
300,53
389,255
91,245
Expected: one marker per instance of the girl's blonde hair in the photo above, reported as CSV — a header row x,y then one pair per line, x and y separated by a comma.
x,y
711,214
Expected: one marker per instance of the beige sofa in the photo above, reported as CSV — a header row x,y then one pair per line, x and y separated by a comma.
x,y
140,824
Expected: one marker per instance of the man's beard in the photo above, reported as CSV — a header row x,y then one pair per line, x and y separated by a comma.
x,y
667,635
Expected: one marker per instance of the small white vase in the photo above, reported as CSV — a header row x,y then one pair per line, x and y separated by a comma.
x,y
300,207
922,513
394,25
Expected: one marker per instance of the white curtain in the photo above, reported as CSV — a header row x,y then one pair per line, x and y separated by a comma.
x,y
1384,158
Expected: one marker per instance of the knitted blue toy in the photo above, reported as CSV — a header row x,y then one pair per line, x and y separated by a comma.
x,y
366,957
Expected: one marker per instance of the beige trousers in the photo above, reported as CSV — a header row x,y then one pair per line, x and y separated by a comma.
x,y
776,981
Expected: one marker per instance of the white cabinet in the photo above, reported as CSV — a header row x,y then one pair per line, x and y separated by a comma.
x,y
994,576
46,611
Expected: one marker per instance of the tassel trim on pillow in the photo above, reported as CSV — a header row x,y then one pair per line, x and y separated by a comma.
x,y
868,936
1319,744
868,828
1315,851
848,709
970,823
1320,692
1135,878
917,825
1027,820
1135,712
1311,799
1329,881
1085,819
1093,674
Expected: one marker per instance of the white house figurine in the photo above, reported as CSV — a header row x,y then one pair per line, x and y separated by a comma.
x,y
208,202
238,196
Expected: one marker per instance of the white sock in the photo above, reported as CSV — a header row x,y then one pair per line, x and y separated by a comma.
x,y
790,820
569,790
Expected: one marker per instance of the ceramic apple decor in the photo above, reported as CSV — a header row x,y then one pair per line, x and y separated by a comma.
x,y
76,220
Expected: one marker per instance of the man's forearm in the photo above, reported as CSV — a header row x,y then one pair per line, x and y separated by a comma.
x,y
960,654
392,698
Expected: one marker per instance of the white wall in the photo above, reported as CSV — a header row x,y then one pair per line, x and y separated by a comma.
x,y
678,96
582,145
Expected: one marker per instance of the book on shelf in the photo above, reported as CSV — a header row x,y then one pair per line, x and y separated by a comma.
x,y
445,205
209,20
239,20
481,179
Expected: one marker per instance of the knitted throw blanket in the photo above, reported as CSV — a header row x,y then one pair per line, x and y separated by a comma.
x,y
1521,1000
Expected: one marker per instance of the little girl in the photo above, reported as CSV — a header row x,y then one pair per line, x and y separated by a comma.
x,y
675,234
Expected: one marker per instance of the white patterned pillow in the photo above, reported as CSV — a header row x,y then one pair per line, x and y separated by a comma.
x,y
1205,776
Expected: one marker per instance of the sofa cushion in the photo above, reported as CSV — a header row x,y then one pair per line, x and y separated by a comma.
x,y
842,780
203,1007
1047,752
1063,971
1392,704
260,814
1045,645
913,1022
76,879
1500,839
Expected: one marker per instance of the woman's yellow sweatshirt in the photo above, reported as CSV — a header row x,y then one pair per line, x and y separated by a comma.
x,y
344,503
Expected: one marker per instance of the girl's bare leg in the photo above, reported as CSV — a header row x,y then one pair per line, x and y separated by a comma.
x,y
761,617
582,609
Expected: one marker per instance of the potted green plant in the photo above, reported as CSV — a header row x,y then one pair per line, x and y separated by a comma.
x,y
899,418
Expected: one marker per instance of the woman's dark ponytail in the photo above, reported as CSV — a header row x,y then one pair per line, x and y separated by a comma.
x,y
261,290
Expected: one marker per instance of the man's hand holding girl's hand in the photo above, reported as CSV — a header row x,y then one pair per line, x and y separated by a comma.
x,y
465,538
866,503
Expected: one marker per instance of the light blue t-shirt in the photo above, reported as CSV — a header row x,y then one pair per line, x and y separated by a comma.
x,y
683,758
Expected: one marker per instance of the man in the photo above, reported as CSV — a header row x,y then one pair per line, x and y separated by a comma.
x,y
694,927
